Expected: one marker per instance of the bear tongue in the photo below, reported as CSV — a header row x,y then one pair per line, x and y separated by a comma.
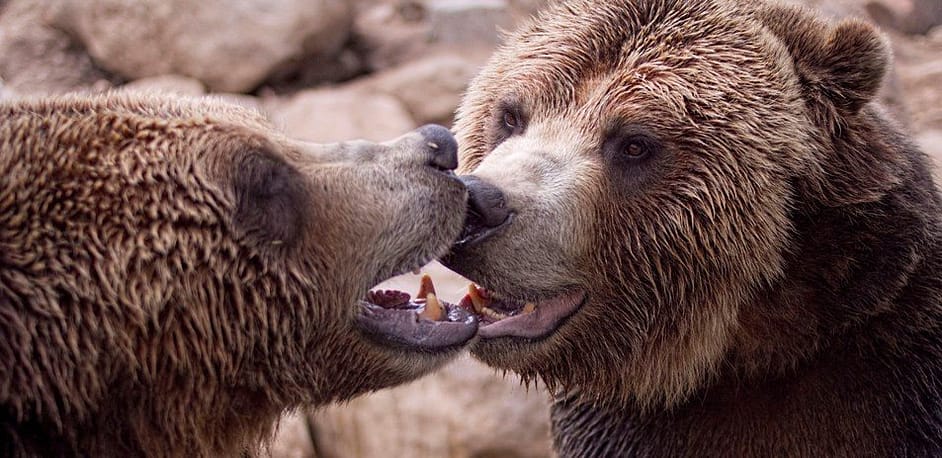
x,y
541,321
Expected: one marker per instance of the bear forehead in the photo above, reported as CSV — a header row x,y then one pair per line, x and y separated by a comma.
x,y
607,29
628,51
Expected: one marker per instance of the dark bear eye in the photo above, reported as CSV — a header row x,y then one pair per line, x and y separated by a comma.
x,y
635,148
511,121
508,121
631,146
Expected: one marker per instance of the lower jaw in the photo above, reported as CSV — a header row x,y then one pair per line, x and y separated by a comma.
x,y
426,324
542,322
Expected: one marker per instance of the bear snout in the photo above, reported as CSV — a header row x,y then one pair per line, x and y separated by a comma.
x,y
487,211
440,147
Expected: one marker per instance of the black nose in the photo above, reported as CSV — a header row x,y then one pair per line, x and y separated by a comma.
x,y
487,210
442,147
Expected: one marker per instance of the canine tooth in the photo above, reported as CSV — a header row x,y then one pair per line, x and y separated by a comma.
x,y
477,301
425,287
529,307
433,309
491,313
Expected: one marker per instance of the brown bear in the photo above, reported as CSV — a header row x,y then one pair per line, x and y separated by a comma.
x,y
691,220
175,274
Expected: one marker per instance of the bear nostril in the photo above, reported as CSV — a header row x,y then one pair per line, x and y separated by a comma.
x,y
441,145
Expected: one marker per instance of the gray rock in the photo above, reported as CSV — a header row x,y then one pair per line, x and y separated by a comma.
x,y
430,88
466,410
931,143
293,439
907,16
331,115
468,21
38,58
389,34
229,46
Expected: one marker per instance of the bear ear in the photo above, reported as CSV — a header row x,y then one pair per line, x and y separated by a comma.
x,y
270,198
841,65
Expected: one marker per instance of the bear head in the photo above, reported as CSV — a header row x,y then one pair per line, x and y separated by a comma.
x,y
184,257
635,168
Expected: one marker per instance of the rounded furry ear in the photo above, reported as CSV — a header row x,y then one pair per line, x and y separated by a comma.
x,y
270,198
842,65
841,68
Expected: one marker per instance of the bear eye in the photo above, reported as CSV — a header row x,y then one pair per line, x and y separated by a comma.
x,y
511,121
631,146
635,149
507,121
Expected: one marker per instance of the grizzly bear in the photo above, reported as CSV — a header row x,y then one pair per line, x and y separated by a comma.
x,y
175,274
691,220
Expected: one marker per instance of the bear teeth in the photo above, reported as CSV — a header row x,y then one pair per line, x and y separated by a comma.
x,y
425,287
433,308
493,314
477,301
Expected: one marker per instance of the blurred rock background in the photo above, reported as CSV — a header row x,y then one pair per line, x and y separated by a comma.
x,y
328,70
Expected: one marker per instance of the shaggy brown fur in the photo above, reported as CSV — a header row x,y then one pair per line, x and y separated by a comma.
x,y
175,274
763,279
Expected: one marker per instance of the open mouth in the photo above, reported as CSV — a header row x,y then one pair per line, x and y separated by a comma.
x,y
503,317
424,322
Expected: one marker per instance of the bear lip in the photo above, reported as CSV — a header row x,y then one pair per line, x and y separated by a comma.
x,y
394,318
472,236
502,317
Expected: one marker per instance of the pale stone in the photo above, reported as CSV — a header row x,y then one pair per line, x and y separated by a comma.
x,y
331,115
468,21
37,58
465,410
430,88
229,46
293,439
